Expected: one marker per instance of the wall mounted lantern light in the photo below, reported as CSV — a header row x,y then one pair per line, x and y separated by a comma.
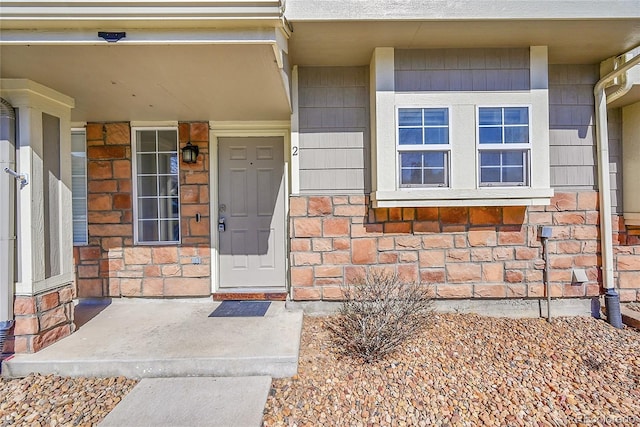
x,y
190,153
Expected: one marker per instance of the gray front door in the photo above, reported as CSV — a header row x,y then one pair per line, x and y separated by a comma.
x,y
251,214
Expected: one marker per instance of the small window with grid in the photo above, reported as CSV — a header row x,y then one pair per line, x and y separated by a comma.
x,y
423,147
157,189
504,146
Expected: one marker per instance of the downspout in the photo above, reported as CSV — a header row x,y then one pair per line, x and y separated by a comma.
x,y
7,221
612,299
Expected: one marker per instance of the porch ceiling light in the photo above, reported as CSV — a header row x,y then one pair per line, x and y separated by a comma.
x,y
112,36
190,153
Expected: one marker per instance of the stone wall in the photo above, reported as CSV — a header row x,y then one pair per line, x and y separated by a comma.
x,y
463,252
41,320
111,265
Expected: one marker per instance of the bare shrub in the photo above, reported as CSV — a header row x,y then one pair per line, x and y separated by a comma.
x,y
379,313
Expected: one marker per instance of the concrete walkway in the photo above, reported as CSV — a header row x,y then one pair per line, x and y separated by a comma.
x,y
196,370
189,402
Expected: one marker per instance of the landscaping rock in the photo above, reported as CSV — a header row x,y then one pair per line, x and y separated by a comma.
x,y
469,370
50,400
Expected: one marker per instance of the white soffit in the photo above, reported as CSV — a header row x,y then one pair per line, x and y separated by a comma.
x,y
569,41
117,82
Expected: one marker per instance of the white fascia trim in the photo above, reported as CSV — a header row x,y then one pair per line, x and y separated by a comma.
x,y
148,37
27,93
467,10
171,124
248,128
87,9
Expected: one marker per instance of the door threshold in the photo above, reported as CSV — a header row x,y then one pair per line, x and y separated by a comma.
x,y
250,295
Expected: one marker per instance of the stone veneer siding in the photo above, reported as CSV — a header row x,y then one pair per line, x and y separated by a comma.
x,y
463,252
41,320
111,265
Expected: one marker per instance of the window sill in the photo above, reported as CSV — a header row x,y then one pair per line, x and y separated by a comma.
x,y
449,197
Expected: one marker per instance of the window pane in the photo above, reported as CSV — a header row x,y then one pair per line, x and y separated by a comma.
x,y
78,209
516,134
411,176
410,136
78,141
147,186
490,116
434,176
434,159
411,160
513,174
513,158
410,117
167,140
436,116
168,185
148,208
169,207
146,164
489,175
169,230
146,140
148,231
168,163
78,187
516,116
78,163
490,159
436,135
491,135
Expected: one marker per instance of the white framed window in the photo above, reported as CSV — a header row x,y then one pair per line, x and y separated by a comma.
x,y
423,147
79,186
157,185
504,146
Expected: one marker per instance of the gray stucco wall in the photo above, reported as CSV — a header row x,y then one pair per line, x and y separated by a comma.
x,y
334,130
461,69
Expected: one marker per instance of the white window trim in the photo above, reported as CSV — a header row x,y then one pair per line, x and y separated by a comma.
x,y
424,147
504,147
464,189
134,186
77,130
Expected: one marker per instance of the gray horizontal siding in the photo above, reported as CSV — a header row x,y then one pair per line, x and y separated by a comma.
x,y
333,105
571,131
461,69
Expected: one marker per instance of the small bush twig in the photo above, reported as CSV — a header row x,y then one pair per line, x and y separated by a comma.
x,y
379,313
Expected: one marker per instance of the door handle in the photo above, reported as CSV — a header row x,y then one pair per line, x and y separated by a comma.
x,y
221,224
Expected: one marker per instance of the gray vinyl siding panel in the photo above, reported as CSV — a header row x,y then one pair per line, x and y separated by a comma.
x,y
573,154
461,69
333,106
571,132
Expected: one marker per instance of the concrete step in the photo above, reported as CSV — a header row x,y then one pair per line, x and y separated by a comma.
x,y
169,338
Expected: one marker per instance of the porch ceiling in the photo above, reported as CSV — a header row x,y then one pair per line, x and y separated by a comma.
x,y
586,41
156,82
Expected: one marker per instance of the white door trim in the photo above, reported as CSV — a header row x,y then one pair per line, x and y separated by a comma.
x,y
243,129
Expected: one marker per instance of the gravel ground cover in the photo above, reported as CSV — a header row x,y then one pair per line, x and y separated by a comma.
x,y
634,306
468,370
50,400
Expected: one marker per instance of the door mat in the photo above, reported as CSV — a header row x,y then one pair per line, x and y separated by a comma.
x,y
241,309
